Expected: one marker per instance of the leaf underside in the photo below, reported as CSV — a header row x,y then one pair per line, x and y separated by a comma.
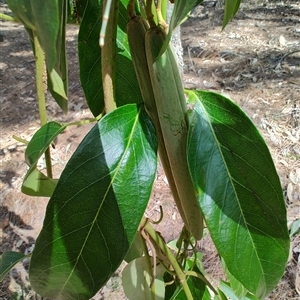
x,y
8,260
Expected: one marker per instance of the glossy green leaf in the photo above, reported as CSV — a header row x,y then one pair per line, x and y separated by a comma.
x,y
96,208
41,140
238,289
181,10
8,260
231,8
47,19
89,52
239,191
136,280
38,184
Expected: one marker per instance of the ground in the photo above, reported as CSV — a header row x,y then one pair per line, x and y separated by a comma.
x,y
255,61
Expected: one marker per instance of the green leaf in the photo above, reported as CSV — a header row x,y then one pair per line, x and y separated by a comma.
x,y
135,250
37,184
41,140
57,77
239,191
238,289
229,292
295,228
89,52
48,20
96,208
80,8
180,12
136,280
8,260
231,8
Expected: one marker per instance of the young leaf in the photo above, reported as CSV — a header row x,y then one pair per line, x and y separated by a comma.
x,y
238,190
295,228
41,140
89,52
8,260
180,12
135,250
229,292
231,8
136,280
38,184
95,210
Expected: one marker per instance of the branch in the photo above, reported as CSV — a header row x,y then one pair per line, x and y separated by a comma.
x,y
108,54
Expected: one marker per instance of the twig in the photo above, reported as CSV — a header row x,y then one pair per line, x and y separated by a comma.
x,y
284,56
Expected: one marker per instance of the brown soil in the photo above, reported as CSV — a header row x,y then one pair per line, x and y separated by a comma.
x,y
255,61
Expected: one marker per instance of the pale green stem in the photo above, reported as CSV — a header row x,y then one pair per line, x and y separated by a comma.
x,y
82,122
159,12
164,4
108,55
148,262
150,16
162,245
8,18
39,69
20,140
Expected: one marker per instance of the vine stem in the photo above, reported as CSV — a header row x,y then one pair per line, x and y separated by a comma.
x,y
162,245
39,67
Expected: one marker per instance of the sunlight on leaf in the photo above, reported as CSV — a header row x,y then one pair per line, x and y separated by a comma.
x,y
91,219
238,190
